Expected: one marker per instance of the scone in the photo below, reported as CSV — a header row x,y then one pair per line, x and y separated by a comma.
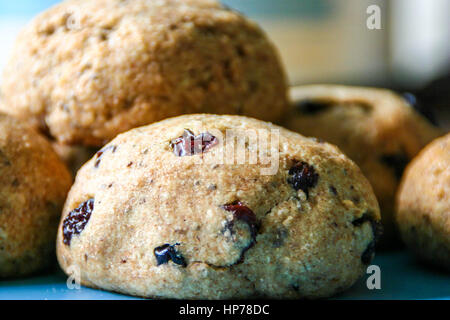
x,y
218,207
84,71
376,128
33,187
423,204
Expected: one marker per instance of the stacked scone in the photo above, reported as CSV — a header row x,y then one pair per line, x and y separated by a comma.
x,y
205,205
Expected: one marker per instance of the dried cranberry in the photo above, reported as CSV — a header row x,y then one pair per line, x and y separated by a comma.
x,y
397,162
245,214
167,252
303,177
311,107
77,219
100,153
377,230
189,144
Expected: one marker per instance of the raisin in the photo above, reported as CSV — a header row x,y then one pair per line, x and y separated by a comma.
x,y
419,107
100,153
303,177
311,106
397,162
189,144
77,219
245,214
377,230
167,252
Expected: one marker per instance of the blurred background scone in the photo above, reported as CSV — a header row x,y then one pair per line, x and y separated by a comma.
x,y
376,128
84,71
33,187
423,204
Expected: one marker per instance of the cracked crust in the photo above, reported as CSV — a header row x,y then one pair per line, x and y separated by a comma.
x,y
423,204
376,128
129,63
33,187
283,244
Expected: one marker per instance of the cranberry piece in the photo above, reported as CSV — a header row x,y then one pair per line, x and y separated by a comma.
x,y
303,176
167,252
245,214
189,144
100,153
397,162
311,107
377,231
77,219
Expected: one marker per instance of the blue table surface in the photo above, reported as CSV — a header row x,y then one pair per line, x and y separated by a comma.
x,y
402,277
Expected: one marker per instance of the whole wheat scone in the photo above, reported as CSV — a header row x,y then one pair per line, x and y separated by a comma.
x,y
376,128
33,187
85,70
423,204
156,213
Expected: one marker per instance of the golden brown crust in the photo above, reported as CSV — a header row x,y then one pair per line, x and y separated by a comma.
x,y
376,128
145,196
88,70
423,204
33,187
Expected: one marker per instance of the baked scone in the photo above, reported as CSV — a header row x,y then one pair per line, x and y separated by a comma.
x,y
423,204
33,187
84,71
376,128
168,211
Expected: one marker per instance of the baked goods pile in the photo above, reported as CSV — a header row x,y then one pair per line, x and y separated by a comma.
x,y
185,190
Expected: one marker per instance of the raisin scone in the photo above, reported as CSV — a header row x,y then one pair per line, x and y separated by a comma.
x,y
33,187
423,204
378,129
217,207
125,64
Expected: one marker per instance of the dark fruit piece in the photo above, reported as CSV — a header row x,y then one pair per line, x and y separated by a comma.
x,y
303,177
245,214
167,252
189,144
100,153
397,162
377,231
76,221
311,106
419,107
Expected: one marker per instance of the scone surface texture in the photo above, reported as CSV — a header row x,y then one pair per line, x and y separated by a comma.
x,y
423,204
33,187
165,223
377,128
84,71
